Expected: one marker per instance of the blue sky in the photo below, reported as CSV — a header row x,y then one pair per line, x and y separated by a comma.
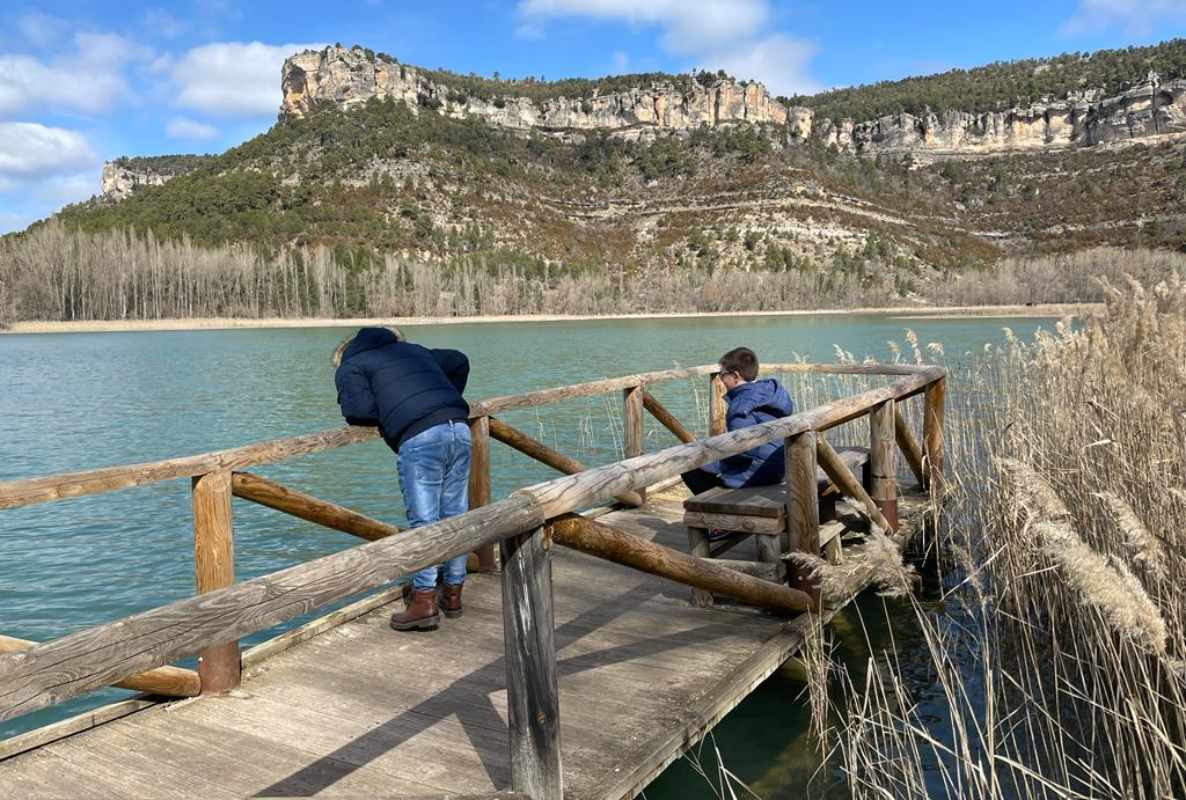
x,y
84,82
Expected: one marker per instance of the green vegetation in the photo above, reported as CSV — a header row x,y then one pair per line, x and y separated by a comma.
x,y
163,165
1003,85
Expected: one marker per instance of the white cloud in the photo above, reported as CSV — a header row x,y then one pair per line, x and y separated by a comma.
x,y
89,79
1137,17
183,128
721,34
780,61
30,150
236,79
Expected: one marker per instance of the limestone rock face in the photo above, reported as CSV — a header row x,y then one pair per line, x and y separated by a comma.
x,y
349,77
118,181
1084,119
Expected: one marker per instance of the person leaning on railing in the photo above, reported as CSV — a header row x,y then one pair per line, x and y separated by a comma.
x,y
413,394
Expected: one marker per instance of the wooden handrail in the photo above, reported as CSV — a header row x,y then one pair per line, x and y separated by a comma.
x,y
909,446
56,670
666,418
163,681
42,489
307,507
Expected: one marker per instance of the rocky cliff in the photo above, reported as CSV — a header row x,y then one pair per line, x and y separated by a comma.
x,y
119,180
349,77
1085,119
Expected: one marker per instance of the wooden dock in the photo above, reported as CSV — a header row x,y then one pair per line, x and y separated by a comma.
x,y
566,670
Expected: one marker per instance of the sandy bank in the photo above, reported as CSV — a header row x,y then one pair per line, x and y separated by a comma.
x,y
950,312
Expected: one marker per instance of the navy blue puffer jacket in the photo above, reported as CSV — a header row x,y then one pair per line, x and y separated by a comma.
x,y
752,404
401,387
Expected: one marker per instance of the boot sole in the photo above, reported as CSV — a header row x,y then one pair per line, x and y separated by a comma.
x,y
426,624
453,614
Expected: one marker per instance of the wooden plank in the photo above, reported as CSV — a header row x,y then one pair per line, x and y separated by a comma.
x,y
214,568
716,405
883,462
620,547
909,445
756,569
666,418
66,667
632,408
162,681
932,433
766,501
307,507
533,699
735,522
545,455
479,483
39,737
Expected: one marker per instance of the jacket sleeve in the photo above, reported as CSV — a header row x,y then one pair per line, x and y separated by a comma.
x,y
355,397
735,420
455,365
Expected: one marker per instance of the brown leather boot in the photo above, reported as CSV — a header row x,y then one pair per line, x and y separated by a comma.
x,y
451,600
421,613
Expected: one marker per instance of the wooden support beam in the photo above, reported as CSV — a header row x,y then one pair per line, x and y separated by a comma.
x,y
533,695
307,507
839,473
219,664
883,462
479,483
716,405
757,569
802,506
666,418
546,455
588,536
909,446
163,681
932,433
632,406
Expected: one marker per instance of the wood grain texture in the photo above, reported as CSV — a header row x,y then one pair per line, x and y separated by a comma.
x,y
909,446
666,418
932,433
162,681
698,548
98,656
883,462
840,474
47,734
539,451
214,568
632,408
479,483
756,569
802,495
533,695
633,551
307,507
716,405
735,522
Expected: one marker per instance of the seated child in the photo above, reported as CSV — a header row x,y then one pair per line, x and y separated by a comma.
x,y
750,402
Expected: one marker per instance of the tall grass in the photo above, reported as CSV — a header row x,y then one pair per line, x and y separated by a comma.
x,y
1058,660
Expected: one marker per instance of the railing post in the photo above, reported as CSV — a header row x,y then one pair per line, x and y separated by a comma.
x,y
802,505
716,405
214,568
632,425
932,434
533,697
883,462
479,482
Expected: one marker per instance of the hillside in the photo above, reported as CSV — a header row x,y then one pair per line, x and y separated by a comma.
x,y
700,180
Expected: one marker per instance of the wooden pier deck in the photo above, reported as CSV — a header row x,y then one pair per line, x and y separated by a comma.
x,y
362,711
568,676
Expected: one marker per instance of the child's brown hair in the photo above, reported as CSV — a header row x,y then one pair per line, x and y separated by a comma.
x,y
741,360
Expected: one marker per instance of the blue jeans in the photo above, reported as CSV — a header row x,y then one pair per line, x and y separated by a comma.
x,y
433,470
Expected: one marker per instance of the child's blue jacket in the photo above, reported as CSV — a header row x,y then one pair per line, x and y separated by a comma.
x,y
751,404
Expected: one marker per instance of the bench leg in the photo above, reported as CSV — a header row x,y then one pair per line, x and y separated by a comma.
x,y
770,552
698,547
832,551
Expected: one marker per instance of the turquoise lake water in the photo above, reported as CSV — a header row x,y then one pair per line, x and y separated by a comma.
x,y
78,401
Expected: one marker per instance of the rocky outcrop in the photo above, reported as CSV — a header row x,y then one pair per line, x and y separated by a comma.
x,y
119,181
1085,119
349,77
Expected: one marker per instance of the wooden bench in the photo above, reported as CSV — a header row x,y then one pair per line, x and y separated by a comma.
x,y
761,511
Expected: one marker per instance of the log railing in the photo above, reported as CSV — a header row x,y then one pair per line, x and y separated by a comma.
x,y
134,651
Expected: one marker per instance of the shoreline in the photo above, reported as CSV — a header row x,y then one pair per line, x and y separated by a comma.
x,y
231,323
